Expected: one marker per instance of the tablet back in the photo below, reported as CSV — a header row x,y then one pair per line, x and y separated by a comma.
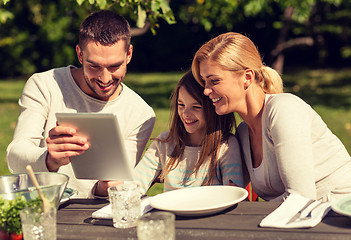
x,y
106,159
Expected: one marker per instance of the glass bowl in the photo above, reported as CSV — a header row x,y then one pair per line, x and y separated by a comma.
x,y
51,184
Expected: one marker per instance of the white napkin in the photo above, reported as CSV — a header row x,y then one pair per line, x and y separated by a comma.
x,y
106,211
289,210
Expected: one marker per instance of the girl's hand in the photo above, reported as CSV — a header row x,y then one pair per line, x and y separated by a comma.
x,y
102,186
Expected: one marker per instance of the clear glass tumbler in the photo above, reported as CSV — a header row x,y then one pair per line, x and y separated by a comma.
x,y
156,225
125,204
37,225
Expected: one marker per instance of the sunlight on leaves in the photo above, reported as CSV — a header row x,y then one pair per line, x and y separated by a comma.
x,y
80,2
5,16
141,17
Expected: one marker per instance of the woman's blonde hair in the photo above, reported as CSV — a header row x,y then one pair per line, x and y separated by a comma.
x,y
218,130
235,52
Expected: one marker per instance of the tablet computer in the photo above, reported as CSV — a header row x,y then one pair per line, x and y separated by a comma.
x,y
106,158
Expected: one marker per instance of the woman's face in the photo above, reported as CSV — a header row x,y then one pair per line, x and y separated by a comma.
x,y
225,88
192,115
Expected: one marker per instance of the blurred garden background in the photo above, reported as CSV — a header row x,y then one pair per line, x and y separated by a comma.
x,y
307,41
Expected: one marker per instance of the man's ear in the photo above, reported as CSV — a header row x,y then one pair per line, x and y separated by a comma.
x,y
79,54
129,53
249,75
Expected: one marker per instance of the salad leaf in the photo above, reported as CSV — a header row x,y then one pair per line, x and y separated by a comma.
x,y
10,220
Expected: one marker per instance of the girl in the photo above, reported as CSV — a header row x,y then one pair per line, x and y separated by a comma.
x,y
199,149
286,145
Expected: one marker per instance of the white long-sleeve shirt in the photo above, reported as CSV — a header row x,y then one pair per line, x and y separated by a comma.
x,y
55,91
229,166
300,153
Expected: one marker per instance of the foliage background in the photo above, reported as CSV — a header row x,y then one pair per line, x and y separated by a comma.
x,y
314,41
37,35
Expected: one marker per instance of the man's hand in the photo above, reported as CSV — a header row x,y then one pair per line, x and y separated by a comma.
x,y
102,186
62,144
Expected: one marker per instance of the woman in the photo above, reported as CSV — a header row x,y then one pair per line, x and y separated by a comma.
x,y
287,146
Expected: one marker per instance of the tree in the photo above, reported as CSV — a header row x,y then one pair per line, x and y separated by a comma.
x,y
278,27
297,22
33,32
143,12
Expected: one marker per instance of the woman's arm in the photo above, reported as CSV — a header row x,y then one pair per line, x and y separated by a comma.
x,y
288,127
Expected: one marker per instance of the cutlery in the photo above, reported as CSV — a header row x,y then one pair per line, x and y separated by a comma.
x,y
298,214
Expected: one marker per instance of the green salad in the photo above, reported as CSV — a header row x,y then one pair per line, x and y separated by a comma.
x,y
10,220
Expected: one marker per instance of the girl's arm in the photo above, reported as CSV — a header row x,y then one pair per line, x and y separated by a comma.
x,y
149,167
230,163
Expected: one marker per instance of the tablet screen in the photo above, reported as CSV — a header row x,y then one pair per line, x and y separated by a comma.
x,y
106,159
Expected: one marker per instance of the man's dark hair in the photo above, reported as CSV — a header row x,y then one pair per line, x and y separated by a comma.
x,y
105,27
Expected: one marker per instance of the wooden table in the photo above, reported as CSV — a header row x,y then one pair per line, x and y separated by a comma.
x,y
239,222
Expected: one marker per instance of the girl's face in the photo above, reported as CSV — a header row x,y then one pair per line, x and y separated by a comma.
x,y
192,115
225,88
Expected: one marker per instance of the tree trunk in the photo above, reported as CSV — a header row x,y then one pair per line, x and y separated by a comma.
x,y
278,62
140,31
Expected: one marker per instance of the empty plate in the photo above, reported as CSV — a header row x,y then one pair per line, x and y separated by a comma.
x,y
197,201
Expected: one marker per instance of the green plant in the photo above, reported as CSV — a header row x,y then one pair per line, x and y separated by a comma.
x,y
10,220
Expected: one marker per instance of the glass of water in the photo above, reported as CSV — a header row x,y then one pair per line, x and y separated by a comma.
x,y
125,204
156,225
38,225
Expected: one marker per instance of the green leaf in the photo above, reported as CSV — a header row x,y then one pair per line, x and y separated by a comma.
x,y
91,2
5,1
5,15
102,3
10,220
141,17
80,2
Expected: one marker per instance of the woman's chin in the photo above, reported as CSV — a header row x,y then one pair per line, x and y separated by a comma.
x,y
221,111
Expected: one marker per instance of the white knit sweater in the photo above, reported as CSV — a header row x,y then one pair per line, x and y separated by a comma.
x,y
56,91
300,153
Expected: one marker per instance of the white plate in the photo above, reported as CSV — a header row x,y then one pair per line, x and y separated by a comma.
x,y
198,201
342,206
68,194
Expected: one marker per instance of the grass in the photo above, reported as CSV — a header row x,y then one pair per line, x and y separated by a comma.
x,y
327,90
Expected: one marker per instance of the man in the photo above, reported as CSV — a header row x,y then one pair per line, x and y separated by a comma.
x,y
104,50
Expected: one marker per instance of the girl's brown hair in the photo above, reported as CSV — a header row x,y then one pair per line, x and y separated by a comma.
x,y
218,129
235,52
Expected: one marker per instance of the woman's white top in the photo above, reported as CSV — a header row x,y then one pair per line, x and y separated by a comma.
x,y
300,153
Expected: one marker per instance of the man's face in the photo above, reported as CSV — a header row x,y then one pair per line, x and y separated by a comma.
x,y
103,68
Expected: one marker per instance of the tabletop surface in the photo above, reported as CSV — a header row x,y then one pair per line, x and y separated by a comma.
x,y
238,222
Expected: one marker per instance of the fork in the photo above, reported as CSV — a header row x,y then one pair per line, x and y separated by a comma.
x,y
309,215
298,214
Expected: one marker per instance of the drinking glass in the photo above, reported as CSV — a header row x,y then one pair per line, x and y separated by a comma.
x,y
125,204
156,225
38,225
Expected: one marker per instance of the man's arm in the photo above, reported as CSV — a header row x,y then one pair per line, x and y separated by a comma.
x,y
29,144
